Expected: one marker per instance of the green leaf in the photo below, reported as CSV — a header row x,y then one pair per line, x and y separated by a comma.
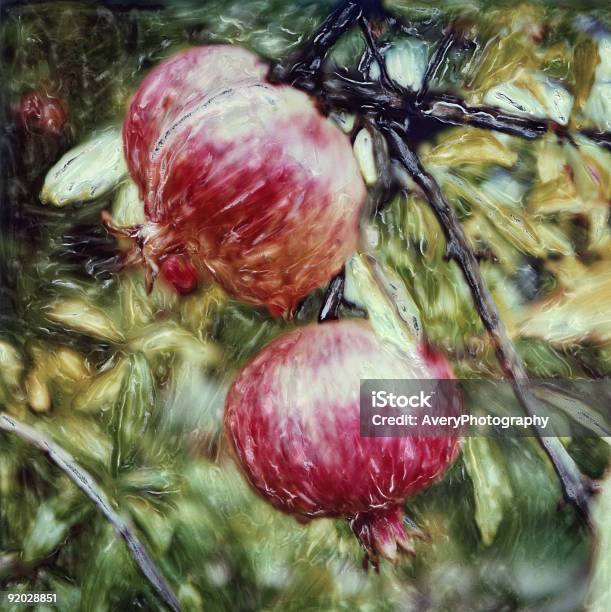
x,y
45,535
572,317
392,312
599,597
491,484
11,369
102,391
136,306
83,438
86,172
53,520
406,62
501,57
155,525
190,599
132,412
110,573
128,208
82,316
169,338
534,94
583,73
471,147
365,156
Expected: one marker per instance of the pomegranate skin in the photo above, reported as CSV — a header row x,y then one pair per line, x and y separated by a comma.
x,y
292,418
175,84
246,178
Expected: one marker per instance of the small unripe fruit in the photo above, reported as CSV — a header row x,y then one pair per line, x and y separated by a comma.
x,y
178,271
292,417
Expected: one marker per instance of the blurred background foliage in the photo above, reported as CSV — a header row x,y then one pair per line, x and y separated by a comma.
x,y
133,385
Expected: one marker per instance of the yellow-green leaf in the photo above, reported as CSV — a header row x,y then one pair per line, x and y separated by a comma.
x,y
471,147
79,315
86,172
491,485
128,208
576,315
599,596
583,69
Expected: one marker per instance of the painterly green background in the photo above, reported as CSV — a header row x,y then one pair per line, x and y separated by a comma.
x,y
149,431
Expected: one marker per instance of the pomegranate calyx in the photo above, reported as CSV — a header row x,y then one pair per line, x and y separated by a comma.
x,y
148,245
385,533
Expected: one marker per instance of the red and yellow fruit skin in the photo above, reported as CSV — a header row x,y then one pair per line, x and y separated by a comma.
x,y
292,417
245,178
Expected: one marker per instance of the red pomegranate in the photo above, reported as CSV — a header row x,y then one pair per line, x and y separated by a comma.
x,y
292,417
244,178
40,113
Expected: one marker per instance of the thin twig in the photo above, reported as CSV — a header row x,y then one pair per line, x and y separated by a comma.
x,y
385,79
436,59
84,481
600,138
575,487
453,110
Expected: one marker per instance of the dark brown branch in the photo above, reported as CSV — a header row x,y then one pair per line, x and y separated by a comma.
x,y
85,482
396,112
386,186
305,69
575,487
600,138
454,111
354,94
370,39
350,92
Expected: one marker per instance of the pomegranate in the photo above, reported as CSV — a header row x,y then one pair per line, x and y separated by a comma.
x,y
292,417
243,178
40,113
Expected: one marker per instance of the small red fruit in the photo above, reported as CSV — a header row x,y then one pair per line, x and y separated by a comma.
x,y
179,272
40,113
246,178
292,417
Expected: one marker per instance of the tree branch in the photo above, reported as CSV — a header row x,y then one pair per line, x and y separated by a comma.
x,y
600,138
438,56
305,68
84,481
394,110
575,487
452,110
